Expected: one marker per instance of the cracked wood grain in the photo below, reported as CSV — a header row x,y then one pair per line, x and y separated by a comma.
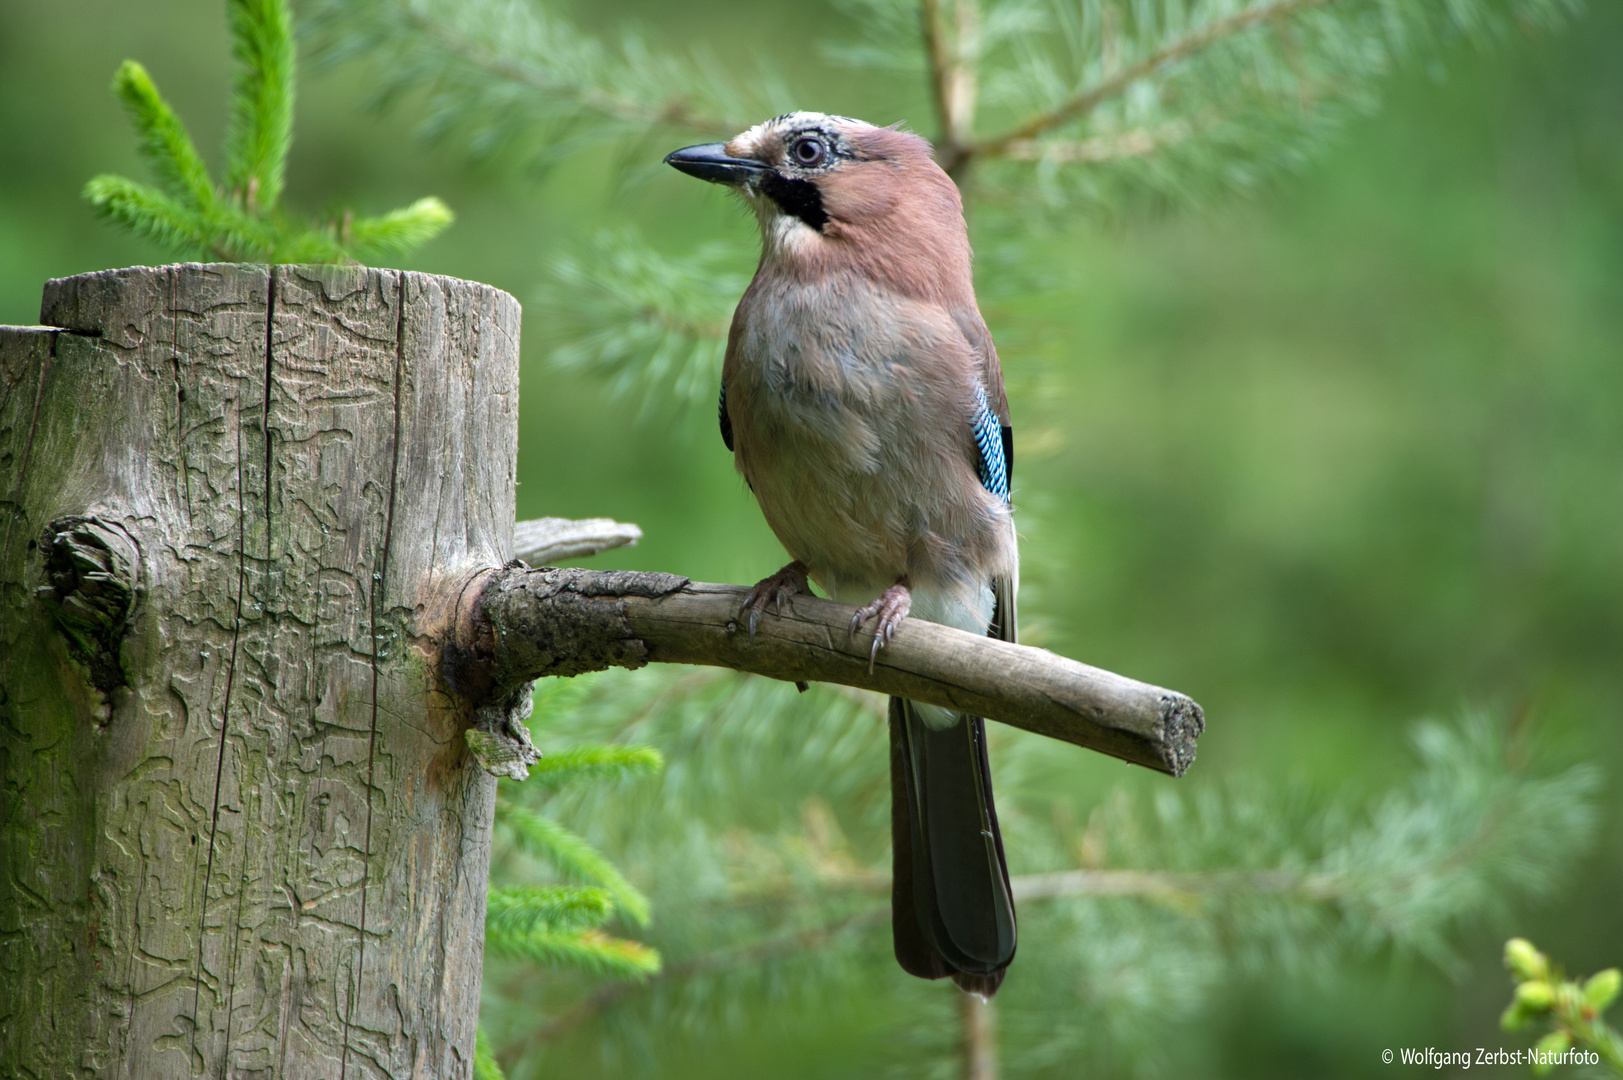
x,y
564,622
250,447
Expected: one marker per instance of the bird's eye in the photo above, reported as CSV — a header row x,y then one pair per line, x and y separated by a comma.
x,y
809,152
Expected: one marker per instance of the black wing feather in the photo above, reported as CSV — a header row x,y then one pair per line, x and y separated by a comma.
x,y
727,421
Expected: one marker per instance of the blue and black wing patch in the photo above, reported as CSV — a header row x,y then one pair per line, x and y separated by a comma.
x,y
726,421
996,445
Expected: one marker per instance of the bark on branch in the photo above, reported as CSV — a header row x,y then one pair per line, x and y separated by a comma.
x,y
530,623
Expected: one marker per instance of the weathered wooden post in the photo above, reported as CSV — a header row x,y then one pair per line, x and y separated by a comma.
x,y
242,833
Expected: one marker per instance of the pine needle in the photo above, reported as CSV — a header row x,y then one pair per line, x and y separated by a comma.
x,y
572,857
485,1066
398,231
189,218
165,145
596,762
520,909
261,131
589,951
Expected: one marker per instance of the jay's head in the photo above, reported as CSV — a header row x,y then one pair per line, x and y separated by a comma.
x,y
827,188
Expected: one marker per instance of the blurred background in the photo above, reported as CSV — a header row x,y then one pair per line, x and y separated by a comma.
x,y
1332,454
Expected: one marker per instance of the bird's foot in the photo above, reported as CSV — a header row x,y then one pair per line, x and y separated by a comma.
x,y
890,607
774,590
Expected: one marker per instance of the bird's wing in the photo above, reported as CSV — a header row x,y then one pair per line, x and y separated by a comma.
x,y
1005,617
729,364
995,442
721,414
994,438
973,327
989,441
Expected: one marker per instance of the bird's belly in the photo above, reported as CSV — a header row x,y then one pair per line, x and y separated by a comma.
x,y
842,512
866,496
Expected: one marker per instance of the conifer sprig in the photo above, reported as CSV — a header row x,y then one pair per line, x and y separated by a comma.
x,y
165,145
261,131
652,327
485,1066
558,927
596,761
571,856
243,222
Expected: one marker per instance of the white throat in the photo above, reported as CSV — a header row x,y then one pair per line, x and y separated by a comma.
x,y
784,237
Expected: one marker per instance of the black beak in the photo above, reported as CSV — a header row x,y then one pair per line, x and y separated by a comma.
x,y
709,161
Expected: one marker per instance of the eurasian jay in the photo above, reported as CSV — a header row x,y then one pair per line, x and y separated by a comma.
x,y
863,403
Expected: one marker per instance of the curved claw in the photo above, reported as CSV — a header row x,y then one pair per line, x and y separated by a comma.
x,y
891,607
775,589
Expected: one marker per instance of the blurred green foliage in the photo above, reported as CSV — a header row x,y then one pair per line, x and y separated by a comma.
x,y
241,221
1329,458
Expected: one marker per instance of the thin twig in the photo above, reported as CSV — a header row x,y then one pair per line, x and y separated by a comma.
x,y
938,53
1139,142
953,57
747,955
978,1018
1091,98
1026,887
954,61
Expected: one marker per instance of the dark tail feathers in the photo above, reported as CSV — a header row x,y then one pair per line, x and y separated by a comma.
x,y
951,907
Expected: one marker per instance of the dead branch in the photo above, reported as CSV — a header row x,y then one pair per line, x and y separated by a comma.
x,y
531,623
545,541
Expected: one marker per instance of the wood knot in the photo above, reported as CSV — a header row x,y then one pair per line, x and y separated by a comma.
x,y
93,568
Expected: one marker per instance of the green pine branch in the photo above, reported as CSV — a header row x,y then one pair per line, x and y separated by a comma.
x,y
151,214
558,927
261,131
590,951
571,856
520,909
165,145
399,231
1115,99
596,761
189,216
485,1066
652,327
